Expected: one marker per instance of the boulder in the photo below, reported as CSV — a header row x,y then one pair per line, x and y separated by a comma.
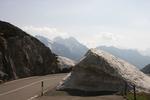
x,y
101,71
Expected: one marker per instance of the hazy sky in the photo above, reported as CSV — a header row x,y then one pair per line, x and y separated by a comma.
x,y
122,23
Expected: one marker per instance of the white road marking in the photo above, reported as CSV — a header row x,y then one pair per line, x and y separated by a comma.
x,y
10,82
33,97
11,91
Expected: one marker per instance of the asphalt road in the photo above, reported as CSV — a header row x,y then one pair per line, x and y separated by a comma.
x,y
108,97
25,89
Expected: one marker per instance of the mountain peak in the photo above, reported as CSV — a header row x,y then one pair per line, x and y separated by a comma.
x,y
60,39
72,39
67,47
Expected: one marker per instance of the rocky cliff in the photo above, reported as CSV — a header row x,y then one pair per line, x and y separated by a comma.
x,y
21,55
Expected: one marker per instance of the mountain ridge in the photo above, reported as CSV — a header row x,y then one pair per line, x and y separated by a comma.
x,y
130,55
68,47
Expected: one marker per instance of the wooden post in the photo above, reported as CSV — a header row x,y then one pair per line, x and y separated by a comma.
x,y
134,92
42,86
125,89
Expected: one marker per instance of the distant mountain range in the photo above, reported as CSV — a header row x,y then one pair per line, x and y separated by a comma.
x,y
74,50
131,56
68,47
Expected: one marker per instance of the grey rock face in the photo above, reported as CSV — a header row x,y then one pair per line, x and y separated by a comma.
x,y
146,69
101,71
21,55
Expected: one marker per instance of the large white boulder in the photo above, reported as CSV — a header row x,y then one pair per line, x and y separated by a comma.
x,y
101,71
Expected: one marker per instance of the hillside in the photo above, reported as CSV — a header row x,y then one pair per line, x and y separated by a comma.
x,y
22,55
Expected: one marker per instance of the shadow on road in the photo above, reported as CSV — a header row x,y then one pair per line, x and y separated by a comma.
x,y
89,93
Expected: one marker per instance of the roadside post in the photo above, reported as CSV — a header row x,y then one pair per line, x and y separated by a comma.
x,y
134,92
42,86
125,89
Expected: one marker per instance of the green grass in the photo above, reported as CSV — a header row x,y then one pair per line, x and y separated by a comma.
x,y
141,96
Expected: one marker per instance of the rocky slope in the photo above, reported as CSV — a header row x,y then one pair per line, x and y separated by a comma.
x,y
22,55
129,55
66,47
101,71
146,69
65,64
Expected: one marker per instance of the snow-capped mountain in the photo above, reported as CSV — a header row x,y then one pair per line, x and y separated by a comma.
x,y
68,47
45,40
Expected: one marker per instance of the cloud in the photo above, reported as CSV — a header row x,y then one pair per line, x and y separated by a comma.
x,y
45,31
107,37
102,38
91,41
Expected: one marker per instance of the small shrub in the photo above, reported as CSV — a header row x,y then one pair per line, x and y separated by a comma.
x,y
139,96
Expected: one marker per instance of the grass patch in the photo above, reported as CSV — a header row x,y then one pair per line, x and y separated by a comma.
x,y
139,96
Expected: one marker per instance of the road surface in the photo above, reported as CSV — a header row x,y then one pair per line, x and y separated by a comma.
x,y
25,89
108,97
29,88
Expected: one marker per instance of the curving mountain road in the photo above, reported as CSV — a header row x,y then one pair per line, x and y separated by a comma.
x,y
25,89
28,88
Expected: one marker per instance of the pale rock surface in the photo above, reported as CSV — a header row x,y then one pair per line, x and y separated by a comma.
x,y
101,71
65,63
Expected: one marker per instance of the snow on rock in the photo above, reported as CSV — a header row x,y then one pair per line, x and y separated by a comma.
x,y
101,71
65,64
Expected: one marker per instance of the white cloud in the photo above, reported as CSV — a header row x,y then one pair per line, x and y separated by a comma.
x,y
45,31
120,40
102,38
